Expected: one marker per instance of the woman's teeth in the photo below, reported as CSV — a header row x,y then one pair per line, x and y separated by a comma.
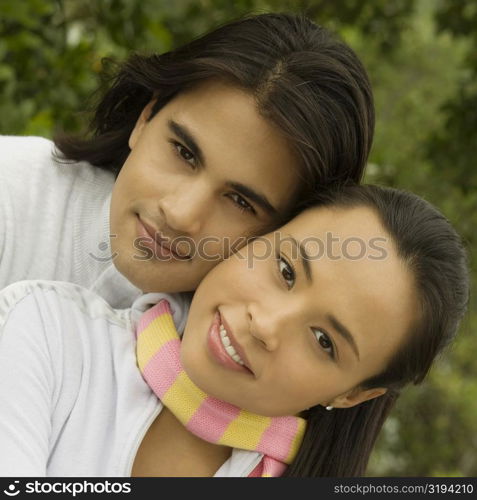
x,y
228,346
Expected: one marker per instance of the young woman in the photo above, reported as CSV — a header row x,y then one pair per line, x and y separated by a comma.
x,y
294,351
189,151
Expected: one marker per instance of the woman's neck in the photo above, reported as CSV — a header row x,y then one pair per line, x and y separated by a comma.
x,y
169,450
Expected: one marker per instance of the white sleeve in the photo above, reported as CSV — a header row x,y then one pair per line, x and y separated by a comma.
x,y
27,382
3,231
4,251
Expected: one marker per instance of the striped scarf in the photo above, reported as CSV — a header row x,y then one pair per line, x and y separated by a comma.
x,y
158,346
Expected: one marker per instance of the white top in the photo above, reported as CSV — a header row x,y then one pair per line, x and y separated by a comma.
x,y
54,221
72,400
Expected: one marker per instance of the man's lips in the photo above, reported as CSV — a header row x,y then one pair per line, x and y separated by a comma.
x,y
162,241
235,343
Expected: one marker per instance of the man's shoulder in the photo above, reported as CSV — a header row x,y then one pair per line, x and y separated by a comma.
x,y
24,145
24,158
31,167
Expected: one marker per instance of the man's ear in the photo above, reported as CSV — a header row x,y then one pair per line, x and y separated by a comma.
x,y
140,123
357,396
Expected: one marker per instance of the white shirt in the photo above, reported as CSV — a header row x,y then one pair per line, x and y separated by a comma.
x,y
54,221
72,400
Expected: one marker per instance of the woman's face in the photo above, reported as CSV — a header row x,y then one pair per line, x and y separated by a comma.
x,y
303,331
205,171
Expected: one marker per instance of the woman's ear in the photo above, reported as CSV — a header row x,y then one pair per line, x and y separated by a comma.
x,y
357,396
140,123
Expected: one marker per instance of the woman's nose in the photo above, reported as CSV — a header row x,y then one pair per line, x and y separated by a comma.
x,y
266,327
185,210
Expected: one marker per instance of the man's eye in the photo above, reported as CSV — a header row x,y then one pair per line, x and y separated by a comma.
x,y
242,203
286,271
184,153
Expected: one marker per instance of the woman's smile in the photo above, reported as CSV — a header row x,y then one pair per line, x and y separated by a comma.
x,y
224,347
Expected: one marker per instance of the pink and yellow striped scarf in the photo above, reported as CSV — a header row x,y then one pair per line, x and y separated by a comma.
x,y
158,346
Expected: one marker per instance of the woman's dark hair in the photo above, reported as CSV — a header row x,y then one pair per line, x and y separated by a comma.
x,y
338,443
306,81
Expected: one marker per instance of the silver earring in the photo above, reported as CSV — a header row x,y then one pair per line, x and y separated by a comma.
x,y
329,407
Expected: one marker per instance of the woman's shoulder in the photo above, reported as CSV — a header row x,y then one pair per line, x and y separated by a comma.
x,y
55,301
66,324
67,365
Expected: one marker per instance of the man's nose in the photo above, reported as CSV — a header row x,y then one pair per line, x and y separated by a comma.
x,y
185,210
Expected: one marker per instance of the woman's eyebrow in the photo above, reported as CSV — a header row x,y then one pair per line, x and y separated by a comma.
x,y
187,137
344,332
304,258
337,325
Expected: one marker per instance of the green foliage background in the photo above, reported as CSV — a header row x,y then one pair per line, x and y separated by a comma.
x,y
421,56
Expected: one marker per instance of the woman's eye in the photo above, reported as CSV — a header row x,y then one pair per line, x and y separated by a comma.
x,y
184,153
287,272
242,203
325,342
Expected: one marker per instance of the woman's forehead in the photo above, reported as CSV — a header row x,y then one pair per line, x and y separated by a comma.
x,y
337,222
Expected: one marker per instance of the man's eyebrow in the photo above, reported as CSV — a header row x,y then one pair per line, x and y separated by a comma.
x,y
344,332
187,137
260,199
